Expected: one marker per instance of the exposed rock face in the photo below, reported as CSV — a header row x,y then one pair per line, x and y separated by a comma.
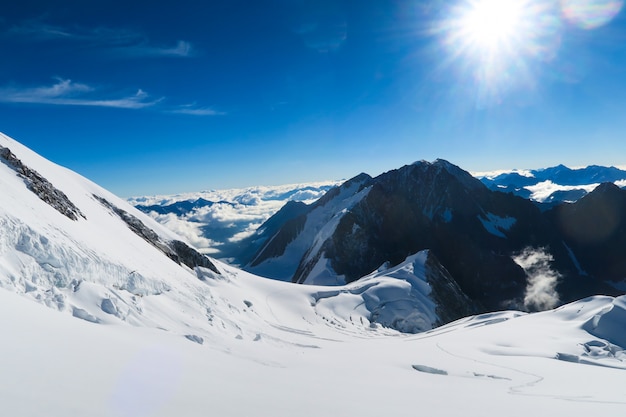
x,y
474,232
438,207
41,186
190,257
452,303
176,250
286,248
594,228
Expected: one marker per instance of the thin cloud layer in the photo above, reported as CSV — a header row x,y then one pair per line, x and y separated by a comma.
x,y
118,42
65,92
182,49
105,42
194,110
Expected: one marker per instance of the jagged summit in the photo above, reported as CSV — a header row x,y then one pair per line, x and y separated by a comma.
x,y
442,165
477,234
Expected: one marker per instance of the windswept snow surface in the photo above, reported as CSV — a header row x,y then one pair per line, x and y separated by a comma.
x,y
95,321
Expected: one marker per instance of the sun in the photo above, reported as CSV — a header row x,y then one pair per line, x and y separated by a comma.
x,y
495,43
491,27
492,24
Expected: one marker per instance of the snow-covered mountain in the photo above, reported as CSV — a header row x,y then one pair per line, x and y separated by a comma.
x,y
223,223
71,245
499,248
555,184
104,312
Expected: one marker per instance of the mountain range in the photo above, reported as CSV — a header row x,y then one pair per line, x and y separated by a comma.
x,y
106,312
216,221
497,246
553,185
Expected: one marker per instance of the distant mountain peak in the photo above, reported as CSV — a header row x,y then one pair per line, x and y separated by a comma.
x,y
556,184
606,187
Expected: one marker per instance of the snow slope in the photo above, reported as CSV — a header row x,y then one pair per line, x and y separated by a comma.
x,y
97,321
98,269
491,365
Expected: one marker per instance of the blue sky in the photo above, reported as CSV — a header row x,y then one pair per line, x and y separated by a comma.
x,y
148,97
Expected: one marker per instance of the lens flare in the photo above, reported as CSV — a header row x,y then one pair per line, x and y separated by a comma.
x,y
590,14
490,23
497,40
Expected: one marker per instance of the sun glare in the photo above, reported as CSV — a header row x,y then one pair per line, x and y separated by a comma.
x,y
495,41
492,23
499,46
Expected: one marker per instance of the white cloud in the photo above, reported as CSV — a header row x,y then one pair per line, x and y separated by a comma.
x,y
541,191
194,110
41,31
236,214
189,230
181,49
61,88
492,174
65,92
541,284
121,42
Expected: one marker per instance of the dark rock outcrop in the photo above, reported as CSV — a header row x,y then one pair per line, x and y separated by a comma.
x,y
595,229
452,303
41,186
176,250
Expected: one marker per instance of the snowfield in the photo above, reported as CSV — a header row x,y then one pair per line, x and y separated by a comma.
x,y
96,320
499,364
